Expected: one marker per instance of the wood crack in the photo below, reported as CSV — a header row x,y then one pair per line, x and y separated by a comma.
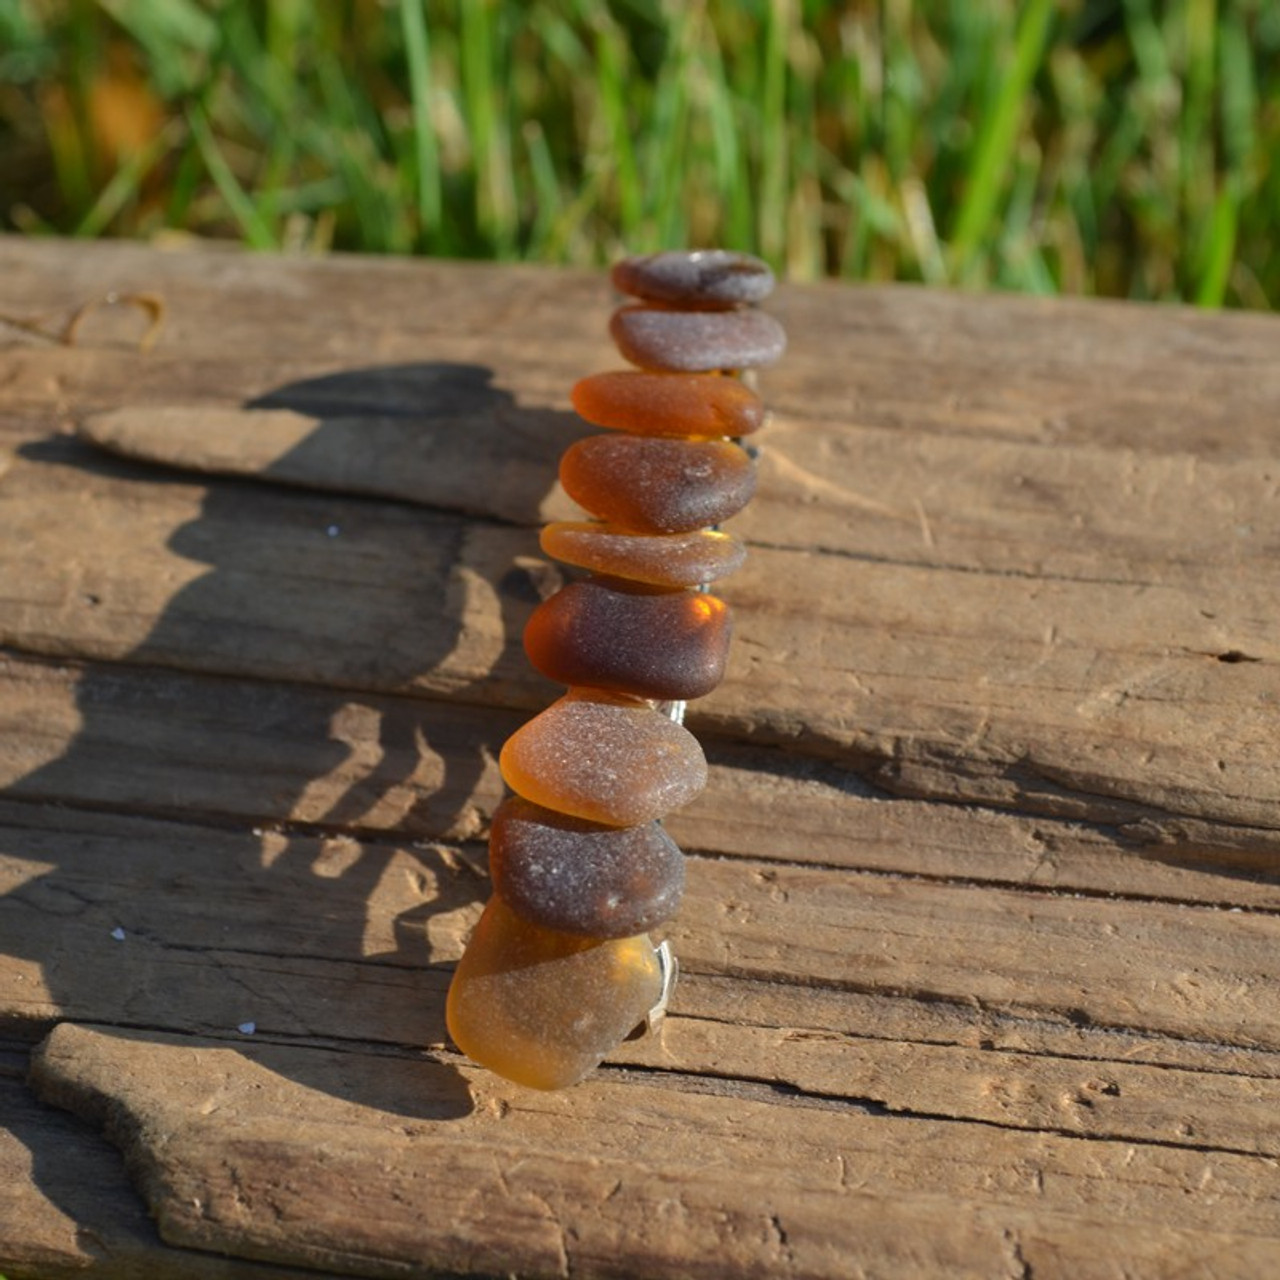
x,y
781,1094
938,565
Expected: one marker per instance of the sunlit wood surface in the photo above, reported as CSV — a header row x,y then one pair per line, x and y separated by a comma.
x,y
981,947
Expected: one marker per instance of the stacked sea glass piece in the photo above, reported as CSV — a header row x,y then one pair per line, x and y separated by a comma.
x,y
561,967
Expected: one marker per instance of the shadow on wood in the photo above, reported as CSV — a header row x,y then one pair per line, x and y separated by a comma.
x,y
313,765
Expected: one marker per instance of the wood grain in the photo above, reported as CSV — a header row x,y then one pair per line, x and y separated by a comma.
x,y
1202,974
751,1186
388,921
165,742
1072,697
983,914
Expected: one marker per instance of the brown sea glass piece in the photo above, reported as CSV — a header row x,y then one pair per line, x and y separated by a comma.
x,y
655,337
663,560
583,877
608,634
657,404
606,758
701,278
543,1007
658,486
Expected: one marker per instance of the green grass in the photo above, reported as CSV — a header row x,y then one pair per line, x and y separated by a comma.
x,y
1120,147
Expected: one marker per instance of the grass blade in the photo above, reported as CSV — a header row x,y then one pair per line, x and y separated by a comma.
x,y
125,183
996,144
253,226
426,155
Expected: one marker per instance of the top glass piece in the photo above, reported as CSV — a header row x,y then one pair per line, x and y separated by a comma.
x,y
702,278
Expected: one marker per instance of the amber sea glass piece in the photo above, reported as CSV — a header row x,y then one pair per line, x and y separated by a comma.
x,y
606,758
658,486
701,278
657,404
667,645
692,341
663,560
543,1007
583,877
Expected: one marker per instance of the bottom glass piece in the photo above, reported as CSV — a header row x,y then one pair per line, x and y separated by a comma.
x,y
543,1008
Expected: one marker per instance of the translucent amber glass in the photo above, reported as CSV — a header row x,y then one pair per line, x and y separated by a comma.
x,y
696,341
541,1007
700,278
663,560
583,877
667,646
657,404
658,486
605,758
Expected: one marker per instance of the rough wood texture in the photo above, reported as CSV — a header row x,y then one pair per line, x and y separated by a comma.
x,y
981,947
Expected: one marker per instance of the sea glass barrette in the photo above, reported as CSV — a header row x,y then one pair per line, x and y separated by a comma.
x,y
561,968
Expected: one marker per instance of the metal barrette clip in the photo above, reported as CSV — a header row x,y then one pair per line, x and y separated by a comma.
x,y
669,967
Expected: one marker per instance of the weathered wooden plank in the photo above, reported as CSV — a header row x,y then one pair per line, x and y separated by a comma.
x,y
1121,682
1104,691
1209,975
937,487
226,927
1088,512
924,361
1071,511
238,327
112,562
1013,1089
885,1016
1178,1107
658,1173
1077,698
968,585
67,1211
286,943
475,452
150,740
905,360
760,805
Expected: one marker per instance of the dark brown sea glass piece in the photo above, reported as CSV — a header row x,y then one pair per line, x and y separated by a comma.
x,y
663,560
658,486
583,877
702,278
606,758
657,404
696,341
664,645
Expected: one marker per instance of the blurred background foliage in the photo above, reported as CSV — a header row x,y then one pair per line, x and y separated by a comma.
x,y
1117,147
